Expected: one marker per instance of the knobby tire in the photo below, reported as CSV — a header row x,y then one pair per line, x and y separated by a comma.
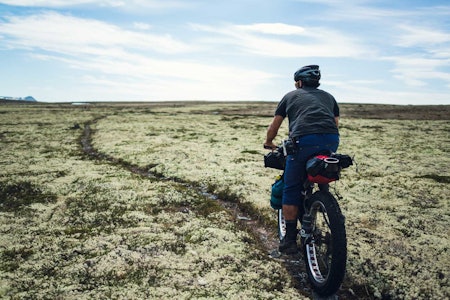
x,y
325,252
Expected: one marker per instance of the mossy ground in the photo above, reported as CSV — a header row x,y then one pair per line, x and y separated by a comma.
x,y
75,227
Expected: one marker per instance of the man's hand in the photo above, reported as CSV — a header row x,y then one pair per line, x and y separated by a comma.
x,y
270,145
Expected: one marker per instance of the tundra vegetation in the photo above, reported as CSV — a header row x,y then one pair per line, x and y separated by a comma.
x,y
119,201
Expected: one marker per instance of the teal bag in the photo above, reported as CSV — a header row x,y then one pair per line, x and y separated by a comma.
x,y
276,197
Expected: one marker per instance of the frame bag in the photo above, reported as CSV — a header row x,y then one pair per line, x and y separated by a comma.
x,y
276,196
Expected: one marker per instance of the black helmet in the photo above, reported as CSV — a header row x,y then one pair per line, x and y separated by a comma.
x,y
309,73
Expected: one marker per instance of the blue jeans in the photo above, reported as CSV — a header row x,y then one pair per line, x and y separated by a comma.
x,y
295,173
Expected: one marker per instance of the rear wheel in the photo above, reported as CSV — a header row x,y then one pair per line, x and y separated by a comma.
x,y
325,245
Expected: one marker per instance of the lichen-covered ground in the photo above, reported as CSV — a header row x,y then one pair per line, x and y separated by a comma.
x,y
78,226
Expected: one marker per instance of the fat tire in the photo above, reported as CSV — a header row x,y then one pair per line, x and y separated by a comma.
x,y
330,283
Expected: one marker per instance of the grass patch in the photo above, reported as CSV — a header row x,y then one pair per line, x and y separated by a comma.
x,y
11,258
437,178
251,152
14,196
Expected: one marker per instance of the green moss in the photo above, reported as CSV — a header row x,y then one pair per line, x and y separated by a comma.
x,y
14,196
11,258
77,230
437,178
207,207
251,152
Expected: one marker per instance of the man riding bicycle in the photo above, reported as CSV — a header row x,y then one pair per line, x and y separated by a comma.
x,y
313,116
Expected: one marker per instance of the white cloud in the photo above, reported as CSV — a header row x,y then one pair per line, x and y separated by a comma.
x,y
272,28
426,37
127,63
162,90
141,26
367,93
427,55
128,4
412,38
356,10
142,78
308,42
50,3
419,71
70,35
142,67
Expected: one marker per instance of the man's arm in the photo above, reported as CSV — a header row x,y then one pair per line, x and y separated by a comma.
x,y
272,131
336,113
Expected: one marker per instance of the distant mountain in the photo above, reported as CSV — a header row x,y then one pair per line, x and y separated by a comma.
x,y
28,98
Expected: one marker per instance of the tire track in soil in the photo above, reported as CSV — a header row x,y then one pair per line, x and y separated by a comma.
x,y
247,219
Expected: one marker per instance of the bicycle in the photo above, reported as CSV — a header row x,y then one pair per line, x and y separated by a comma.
x,y
323,234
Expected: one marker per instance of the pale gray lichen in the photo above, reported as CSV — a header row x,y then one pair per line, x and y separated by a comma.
x,y
108,233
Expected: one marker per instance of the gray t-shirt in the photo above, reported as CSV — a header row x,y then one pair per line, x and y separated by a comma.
x,y
310,111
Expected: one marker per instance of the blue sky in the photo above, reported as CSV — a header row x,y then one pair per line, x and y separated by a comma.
x,y
113,50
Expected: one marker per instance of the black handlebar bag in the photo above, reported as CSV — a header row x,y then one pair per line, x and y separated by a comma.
x,y
274,160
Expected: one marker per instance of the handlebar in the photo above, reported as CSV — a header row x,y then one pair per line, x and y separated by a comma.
x,y
287,147
278,148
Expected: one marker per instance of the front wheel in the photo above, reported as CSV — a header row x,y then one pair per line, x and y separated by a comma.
x,y
325,244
